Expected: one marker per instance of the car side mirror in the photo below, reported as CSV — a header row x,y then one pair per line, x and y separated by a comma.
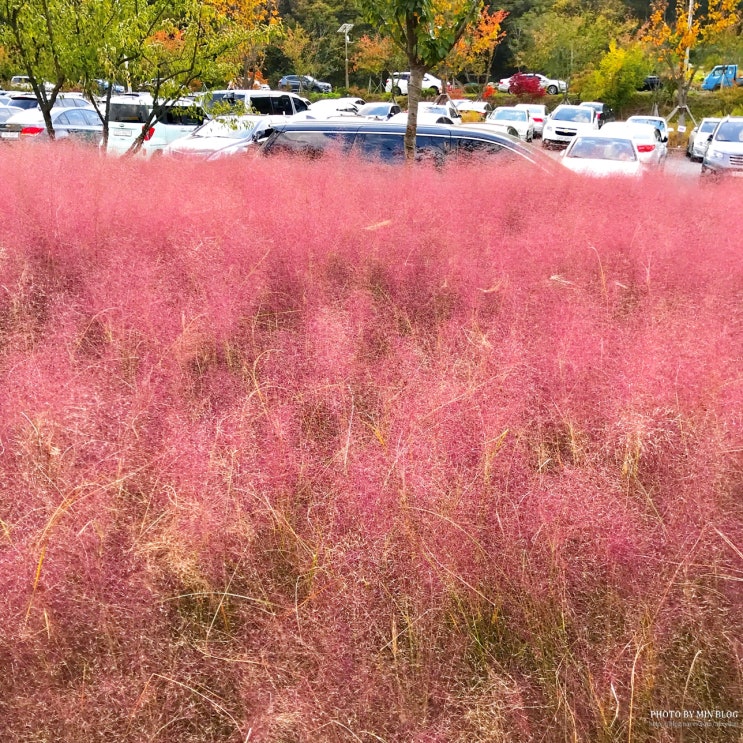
x,y
709,139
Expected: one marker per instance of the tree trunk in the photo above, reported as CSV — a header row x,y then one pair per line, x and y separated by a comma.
x,y
681,91
414,95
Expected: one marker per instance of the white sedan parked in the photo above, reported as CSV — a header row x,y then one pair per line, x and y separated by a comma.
x,y
549,85
599,154
537,113
517,118
651,148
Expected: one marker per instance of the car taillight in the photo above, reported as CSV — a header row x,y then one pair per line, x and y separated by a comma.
x,y
29,131
645,147
538,119
149,133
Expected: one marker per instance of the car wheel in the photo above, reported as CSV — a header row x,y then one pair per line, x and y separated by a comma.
x,y
529,136
552,89
396,90
436,90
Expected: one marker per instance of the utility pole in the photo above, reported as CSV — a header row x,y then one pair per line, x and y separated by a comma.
x,y
345,29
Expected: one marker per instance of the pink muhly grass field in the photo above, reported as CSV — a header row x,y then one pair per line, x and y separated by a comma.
x,y
331,451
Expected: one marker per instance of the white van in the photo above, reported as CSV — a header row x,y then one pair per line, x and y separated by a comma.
x,y
128,113
20,82
23,82
266,102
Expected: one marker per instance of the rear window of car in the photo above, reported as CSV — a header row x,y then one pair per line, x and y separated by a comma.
x,y
227,102
183,116
24,102
129,113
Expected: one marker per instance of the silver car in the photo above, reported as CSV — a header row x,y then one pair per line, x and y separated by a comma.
x,y
699,138
81,124
724,154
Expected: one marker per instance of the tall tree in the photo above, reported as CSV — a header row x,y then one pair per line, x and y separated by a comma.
x,y
375,54
569,36
426,31
674,34
474,52
36,33
260,22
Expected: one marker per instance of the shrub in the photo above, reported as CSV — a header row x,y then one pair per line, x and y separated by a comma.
x,y
526,86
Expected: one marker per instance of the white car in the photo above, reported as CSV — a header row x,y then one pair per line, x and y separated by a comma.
x,y
566,122
266,102
724,154
481,108
327,107
600,154
699,138
548,84
517,118
651,148
214,136
657,121
447,109
425,118
129,113
398,83
538,114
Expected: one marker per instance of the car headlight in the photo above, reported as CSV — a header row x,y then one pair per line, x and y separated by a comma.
x,y
714,154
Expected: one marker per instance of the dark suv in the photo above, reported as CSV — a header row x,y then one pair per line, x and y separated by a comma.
x,y
381,140
306,83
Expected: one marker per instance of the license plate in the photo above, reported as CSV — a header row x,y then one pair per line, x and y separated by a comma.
x,y
10,135
121,133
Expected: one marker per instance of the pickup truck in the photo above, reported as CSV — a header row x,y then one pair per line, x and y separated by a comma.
x,y
722,76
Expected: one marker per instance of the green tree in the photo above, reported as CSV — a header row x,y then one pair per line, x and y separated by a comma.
x,y
374,55
674,34
426,31
172,43
36,34
568,36
618,75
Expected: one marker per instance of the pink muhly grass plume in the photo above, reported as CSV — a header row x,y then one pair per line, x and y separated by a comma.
x,y
329,450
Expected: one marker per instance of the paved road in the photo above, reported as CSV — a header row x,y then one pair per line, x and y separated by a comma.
x,y
678,164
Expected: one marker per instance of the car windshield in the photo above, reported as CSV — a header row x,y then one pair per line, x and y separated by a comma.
x,y
602,148
509,115
375,109
231,128
708,126
579,115
730,131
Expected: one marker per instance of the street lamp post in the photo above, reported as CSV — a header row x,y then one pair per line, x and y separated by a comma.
x,y
345,29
